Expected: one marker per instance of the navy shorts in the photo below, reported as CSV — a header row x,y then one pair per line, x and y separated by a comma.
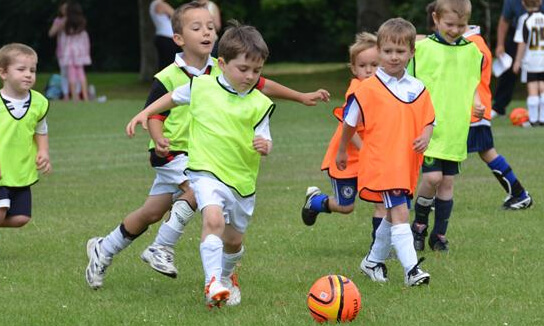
x,y
480,139
535,76
345,190
19,200
431,164
392,198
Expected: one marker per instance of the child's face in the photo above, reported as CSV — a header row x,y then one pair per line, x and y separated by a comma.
x,y
394,57
20,75
242,73
450,26
366,63
198,32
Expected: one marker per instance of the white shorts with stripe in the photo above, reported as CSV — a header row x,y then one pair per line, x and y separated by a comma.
x,y
237,210
170,176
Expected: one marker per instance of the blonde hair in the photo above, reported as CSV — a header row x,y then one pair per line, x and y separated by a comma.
x,y
531,3
9,51
398,31
463,8
177,16
242,39
363,42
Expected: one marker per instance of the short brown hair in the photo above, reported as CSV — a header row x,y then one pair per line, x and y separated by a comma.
x,y
398,31
430,21
531,3
9,51
463,8
177,16
363,42
242,39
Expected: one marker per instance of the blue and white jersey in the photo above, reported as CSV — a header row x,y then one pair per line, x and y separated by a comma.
x,y
530,30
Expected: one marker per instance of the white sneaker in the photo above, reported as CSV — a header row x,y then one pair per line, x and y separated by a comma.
x,y
416,276
216,293
231,283
161,259
376,271
98,263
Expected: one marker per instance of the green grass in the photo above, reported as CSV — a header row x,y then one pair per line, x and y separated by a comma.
x,y
492,275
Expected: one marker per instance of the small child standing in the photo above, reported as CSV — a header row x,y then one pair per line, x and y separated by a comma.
x,y
229,133
75,50
389,165
530,54
450,68
24,145
363,64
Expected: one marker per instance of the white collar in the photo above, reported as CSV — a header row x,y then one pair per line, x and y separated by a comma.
x,y
472,30
386,78
223,81
180,62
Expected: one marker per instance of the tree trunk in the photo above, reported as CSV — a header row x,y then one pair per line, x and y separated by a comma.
x,y
148,53
371,14
487,21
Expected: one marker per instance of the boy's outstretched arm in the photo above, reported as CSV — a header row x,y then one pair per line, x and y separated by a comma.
x,y
342,155
164,103
422,142
42,157
276,90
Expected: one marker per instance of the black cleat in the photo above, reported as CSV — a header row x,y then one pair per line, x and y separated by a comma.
x,y
309,216
439,243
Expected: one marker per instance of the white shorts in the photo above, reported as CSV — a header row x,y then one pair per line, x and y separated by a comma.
x,y
170,176
208,190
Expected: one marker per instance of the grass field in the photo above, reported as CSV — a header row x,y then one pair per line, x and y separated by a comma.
x,y
492,276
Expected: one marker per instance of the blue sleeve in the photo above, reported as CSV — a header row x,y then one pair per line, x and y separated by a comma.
x,y
350,100
508,10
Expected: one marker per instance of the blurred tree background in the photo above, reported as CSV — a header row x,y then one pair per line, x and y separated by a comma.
x,y
295,30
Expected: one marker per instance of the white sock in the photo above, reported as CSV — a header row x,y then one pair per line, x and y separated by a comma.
x,y
114,242
211,254
171,230
382,245
403,241
541,110
532,106
230,261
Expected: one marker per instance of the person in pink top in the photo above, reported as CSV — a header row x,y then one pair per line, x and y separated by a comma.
x,y
56,29
75,50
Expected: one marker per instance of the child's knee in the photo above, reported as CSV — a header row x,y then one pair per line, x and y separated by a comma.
x,y
346,209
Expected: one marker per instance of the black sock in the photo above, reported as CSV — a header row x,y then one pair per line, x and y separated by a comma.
x,y
422,209
442,212
376,221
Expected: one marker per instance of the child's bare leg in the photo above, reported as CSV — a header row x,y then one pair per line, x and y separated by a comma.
x,y
14,221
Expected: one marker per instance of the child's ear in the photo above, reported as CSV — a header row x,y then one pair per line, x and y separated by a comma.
x,y
178,39
221,63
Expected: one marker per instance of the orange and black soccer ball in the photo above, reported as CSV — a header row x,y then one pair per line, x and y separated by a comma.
x,y
519,116
334,298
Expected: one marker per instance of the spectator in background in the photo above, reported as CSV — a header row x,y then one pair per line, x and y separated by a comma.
x,y
161,12
75,50
511,11
56,29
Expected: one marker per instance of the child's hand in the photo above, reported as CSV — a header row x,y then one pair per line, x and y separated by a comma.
x,y
421,143
479,110
140,118
310,99
42,162
261,145
341,160
162,147
516,67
